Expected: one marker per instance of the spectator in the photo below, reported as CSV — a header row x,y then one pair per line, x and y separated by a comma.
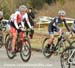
x,y
31,17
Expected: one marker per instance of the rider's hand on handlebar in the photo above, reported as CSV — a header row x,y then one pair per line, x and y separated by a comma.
x,y
23,29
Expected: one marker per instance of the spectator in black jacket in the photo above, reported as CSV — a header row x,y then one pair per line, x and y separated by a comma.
x,y
31,17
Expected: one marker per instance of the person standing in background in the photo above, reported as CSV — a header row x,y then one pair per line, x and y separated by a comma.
x,y
31,17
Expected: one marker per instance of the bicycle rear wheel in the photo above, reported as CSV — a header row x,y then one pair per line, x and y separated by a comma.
x,y
64,57
8,49
25,52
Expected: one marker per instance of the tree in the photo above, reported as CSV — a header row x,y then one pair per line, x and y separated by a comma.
x,y
38,4
4,8
49,2
62,2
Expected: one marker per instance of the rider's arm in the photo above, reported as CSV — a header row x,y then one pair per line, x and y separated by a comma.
x,y
22,23
27,20
66,25
15,21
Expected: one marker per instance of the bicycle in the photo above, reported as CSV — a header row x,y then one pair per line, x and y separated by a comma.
x,y
61,45
25,50
3,33
67,57
2,36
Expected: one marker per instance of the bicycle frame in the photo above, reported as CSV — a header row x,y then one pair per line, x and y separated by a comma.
x,y
59,42
25,34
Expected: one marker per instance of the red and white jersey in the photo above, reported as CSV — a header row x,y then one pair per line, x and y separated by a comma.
x,y
16,18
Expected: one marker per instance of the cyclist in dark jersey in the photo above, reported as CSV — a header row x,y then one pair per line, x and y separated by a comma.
x,y
73,27
54,26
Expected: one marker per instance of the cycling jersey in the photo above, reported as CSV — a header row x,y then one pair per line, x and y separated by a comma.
x,y
54,25
3,23
73,25
16,19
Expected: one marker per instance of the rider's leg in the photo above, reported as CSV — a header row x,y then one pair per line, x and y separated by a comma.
x,y
14,42
60,32
51,33
22,38
49,42
14,37
50,39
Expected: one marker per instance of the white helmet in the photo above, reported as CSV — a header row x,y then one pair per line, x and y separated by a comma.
x,y
61,13
22,8
1,13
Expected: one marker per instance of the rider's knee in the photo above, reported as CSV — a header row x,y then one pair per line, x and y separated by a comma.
x,y
51,37
15,36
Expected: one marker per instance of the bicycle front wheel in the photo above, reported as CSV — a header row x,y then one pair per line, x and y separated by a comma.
x,y
65,56
25,52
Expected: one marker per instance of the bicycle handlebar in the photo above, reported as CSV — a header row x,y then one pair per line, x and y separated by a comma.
x,y
28,30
